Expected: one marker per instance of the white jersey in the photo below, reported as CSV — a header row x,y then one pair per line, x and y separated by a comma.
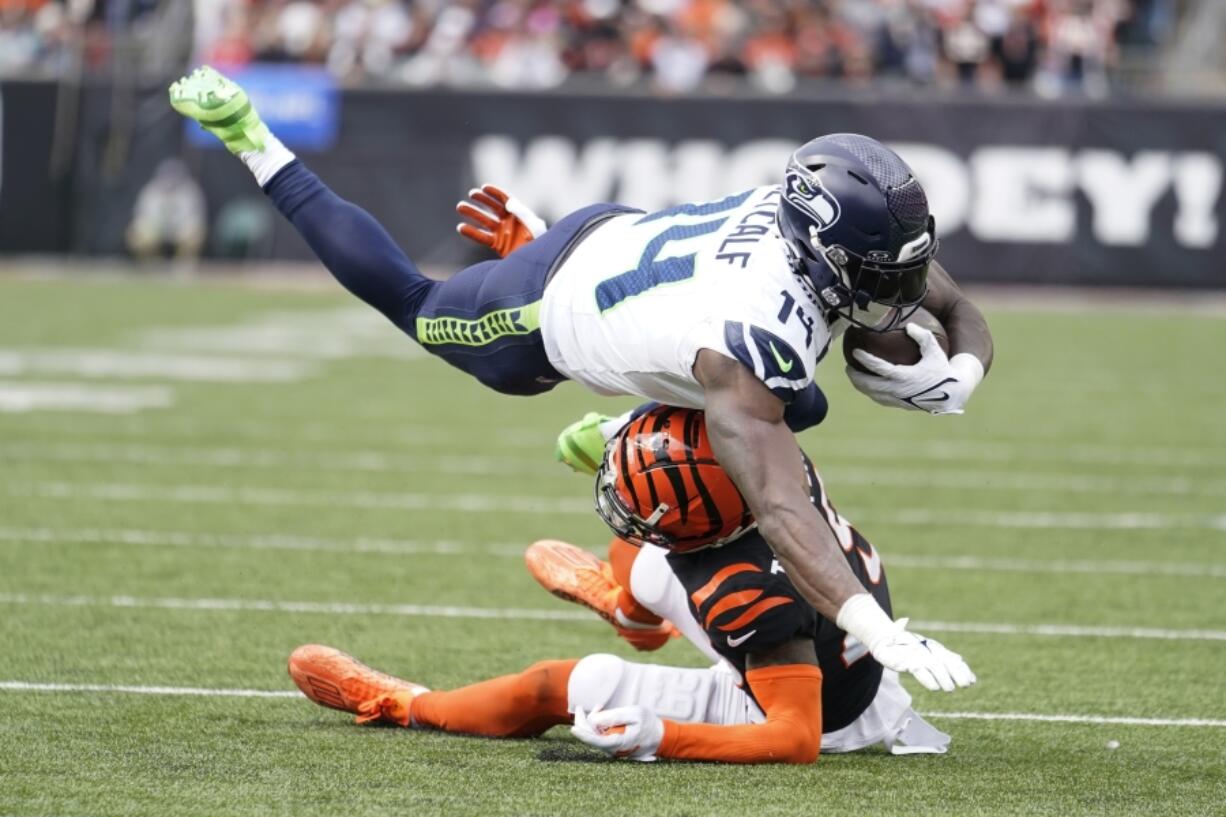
x,y
629,309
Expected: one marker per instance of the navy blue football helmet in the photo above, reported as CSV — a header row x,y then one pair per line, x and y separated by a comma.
x,y
856,221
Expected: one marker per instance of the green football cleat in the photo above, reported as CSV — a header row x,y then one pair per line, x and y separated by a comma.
x,y
581,445
221,107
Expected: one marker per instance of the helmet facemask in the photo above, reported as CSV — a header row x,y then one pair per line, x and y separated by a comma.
x,y
871,290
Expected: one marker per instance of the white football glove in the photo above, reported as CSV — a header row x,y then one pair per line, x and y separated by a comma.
x,y
632,732
898,649
937,384
929,661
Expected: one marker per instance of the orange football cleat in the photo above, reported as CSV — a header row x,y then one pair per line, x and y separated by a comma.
x,y
576,575
337,680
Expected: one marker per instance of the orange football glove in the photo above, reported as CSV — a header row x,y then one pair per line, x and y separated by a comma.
x,y
498,220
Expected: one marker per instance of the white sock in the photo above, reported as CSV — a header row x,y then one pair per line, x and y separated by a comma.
x,y
268,162
609,428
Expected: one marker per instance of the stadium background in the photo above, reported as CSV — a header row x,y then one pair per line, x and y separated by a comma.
x,y
208,454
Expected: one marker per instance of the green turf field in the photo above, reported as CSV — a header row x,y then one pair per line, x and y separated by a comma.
x,y
276,469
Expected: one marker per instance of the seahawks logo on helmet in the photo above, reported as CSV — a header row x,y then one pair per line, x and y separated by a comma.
x,y
804,192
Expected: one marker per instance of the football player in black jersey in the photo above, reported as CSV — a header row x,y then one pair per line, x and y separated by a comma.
x,y
788,683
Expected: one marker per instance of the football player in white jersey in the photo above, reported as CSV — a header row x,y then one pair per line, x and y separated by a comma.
x,y
726,306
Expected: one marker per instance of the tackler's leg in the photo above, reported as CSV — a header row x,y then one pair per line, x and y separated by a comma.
x,y
522,704
688,695
576,575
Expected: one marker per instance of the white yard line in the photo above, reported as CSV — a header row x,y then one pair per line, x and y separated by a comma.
x,y
23,397
203,692
1068,630
451,547
1062,520
1058,566
1092,719
122,364
404,433
211,692
284,458
395,434
367,460
260,541
220,494
494,503
530,614
328,608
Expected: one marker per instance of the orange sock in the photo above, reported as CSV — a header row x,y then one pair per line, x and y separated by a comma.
x,y
512,706
621,558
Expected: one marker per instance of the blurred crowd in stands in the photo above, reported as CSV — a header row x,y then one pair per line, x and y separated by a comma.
x,y
674,46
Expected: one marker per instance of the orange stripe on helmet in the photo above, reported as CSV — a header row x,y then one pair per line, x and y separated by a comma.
x,y
731,602
755,611
703,593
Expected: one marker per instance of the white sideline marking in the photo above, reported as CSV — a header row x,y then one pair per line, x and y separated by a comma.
x,y
392,432
296,458
1058,566
489,503
1034,482
380,461
1064,520
268,541
20,397
117,363
220,494
515,613
327,334
851,450
1069,630
1096,719
209,692
449,547
330,608
1011,452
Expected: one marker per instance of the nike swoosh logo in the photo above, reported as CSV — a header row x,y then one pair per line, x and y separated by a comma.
x,y
736,642
785,366
926,396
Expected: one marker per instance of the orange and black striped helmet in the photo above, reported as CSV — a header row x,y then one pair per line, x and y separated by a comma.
x,y
659,484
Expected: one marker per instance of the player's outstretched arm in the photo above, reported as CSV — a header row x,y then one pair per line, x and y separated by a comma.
x,y
753,444
785,681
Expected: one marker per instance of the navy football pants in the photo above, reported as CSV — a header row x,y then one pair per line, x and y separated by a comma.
x,y
483,320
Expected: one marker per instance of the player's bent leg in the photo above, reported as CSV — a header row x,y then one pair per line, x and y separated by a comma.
x,y
654,585
521,705
622,556
576,575
687,695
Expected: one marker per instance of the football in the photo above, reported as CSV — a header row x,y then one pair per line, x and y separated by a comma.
x,y
894,346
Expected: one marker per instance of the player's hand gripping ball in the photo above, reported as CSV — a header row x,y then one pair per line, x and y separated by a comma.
x,y
910,368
